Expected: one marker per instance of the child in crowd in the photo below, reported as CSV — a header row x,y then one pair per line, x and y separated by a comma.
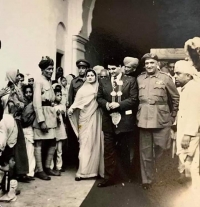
x,y
27,118
60,130
63,82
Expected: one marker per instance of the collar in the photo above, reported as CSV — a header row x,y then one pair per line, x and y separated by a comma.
x,y
186,85
119,76
78,78
156,74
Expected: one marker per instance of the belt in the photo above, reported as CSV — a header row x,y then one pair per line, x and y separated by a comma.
x,y
153,102
46,103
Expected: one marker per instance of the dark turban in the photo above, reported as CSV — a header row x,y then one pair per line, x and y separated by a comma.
x,y
45,62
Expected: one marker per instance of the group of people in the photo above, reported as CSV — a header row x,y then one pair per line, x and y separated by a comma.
x,y
107,115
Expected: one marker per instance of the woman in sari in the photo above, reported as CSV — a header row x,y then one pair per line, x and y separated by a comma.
x,y
15,104
85,118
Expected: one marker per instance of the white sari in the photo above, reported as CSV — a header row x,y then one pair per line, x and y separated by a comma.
x,y
86,122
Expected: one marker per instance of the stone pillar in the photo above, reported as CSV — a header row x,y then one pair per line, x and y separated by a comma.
x,y
78,47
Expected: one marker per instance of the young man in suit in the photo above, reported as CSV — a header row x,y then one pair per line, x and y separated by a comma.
x,y
117,96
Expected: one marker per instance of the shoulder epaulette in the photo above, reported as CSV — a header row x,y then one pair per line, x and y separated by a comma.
x,y
166,74
143,73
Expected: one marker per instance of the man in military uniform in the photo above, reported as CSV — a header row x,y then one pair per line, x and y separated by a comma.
x,y
77,82
117,97
155,115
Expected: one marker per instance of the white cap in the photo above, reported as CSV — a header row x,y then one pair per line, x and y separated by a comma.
x,y
184,66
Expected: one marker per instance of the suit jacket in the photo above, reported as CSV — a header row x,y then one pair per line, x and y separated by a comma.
x,y
127,105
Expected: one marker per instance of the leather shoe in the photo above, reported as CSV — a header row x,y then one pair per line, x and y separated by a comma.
x,y
42,175
146,186
49,171
77,178
105,183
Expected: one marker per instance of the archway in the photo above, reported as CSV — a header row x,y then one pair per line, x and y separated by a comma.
x,y
133,27
60,44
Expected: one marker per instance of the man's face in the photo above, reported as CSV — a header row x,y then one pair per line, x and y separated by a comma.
x,y
171,68
151,66
130,69
103,74
81,70
47,72
30,81
113,70
180,78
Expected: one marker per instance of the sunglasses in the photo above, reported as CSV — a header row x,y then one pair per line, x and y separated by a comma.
x,y
112,68
103,76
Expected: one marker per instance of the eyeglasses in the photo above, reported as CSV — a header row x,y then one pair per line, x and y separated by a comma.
x,y
103,76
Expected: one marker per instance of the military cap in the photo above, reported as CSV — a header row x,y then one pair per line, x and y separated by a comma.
x,y
149,56
82,62
130,61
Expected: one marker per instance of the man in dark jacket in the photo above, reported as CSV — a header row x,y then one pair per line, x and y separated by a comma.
x,y
117,96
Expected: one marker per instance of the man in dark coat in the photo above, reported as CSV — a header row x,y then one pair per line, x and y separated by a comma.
x,y
117,96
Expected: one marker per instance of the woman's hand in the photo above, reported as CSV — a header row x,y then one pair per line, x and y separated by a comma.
x,y
4,91
70,112
43,127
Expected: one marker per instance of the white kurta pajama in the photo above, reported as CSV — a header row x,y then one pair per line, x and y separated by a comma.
x,y
188,123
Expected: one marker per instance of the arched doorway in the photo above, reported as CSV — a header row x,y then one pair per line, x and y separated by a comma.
x,y
60,45
133,27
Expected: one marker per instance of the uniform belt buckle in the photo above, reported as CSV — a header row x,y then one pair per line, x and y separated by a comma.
x,y
151,102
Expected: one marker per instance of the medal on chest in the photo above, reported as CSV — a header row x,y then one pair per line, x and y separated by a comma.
x,y
116,93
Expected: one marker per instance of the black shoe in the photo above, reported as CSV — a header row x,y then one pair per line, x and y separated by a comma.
x,y
23,179
49,171
78,178
105,183
62,170
146,186
42,175
31,178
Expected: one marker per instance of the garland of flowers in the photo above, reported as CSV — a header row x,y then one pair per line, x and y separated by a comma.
x,y
118,93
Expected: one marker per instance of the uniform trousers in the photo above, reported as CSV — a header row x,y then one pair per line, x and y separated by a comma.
x,y
117,155
152,144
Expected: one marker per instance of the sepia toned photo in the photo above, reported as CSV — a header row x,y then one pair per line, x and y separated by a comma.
x,y
99,103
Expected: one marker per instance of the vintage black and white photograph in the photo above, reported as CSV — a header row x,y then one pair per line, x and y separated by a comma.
x,y
99,103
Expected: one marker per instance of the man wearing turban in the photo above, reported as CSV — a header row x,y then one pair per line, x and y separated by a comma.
x,y
45,123
131,65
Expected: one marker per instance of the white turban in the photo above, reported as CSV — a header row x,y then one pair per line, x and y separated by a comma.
x,y
98,69
184,66
130,61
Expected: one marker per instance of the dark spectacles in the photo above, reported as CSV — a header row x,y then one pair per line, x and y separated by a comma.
x,y
111,68
102,76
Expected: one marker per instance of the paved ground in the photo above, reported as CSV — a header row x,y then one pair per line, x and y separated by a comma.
x,y
59,192
65,192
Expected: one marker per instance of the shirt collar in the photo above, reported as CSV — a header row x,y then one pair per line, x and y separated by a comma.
x,y
156,74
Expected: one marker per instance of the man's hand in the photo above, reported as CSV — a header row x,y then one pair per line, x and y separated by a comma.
x,y
185,141
4,91
43,127
114,105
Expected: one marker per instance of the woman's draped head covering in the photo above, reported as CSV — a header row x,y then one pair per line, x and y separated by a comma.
x,y
11,75
69,79
45,62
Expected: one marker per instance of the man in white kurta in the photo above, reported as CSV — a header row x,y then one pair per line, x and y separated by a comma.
x,y
188,121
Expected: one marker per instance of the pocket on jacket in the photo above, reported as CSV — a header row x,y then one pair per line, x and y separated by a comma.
x,y
159,90
142,88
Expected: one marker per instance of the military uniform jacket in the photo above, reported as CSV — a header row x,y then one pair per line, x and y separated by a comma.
x,y
74,86
155,93
128,102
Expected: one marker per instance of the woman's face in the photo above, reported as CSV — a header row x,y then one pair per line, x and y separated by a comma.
x,y
28,94
90,78
64,82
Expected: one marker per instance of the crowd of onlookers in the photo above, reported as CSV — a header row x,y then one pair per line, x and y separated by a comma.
x,y
109,119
